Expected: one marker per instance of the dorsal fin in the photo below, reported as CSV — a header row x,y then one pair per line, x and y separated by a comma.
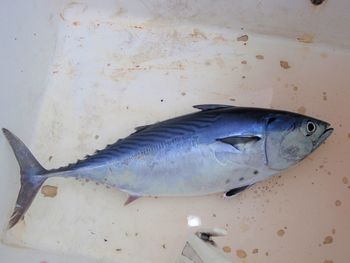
x,y
140,128
204,107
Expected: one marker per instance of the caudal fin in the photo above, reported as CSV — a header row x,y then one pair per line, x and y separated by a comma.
x,y
33,176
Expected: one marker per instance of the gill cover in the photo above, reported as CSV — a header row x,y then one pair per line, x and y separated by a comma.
x,y
285,144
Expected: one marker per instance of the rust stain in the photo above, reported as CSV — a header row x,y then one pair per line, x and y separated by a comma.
x,y
243,38
281,233
49,190
226,249
260,57
284,64
328,240
241,253
306,38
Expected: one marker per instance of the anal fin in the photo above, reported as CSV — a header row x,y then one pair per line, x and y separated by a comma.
x,y
235,191
131,198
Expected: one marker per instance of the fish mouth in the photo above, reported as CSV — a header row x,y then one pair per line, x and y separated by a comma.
x,y
328,131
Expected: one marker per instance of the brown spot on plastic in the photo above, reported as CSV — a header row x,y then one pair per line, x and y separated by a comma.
x,y
244,62
76,23
295,88
328,240
328,261
301,110
284,64
337,203
196,33
280,233
260,57
345,180
255,251
306,38
243,38
241,253
226,249
49,190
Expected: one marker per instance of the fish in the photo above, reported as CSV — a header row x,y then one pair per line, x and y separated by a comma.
x,y
217,149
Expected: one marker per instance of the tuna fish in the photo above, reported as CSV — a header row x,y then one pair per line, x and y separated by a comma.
x,y
220,148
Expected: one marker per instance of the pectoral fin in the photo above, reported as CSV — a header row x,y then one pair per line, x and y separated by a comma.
x,y
240,142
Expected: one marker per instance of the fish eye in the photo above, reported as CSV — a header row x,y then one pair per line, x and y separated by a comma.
x,y
310,127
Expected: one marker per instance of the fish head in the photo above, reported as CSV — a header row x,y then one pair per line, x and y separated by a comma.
x,y
290,137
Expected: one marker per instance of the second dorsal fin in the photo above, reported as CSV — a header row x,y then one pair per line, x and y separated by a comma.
x,y
211,106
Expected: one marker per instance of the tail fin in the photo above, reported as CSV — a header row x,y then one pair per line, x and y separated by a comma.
x,y
33,176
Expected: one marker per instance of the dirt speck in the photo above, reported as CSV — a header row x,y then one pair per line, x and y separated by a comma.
x,y
105,240
255,251
284,64
214,215
324,95
76,23
301,110
345,180
328,261
333,231
164,246
49,190
183,93
328,240
232,99
241,253
96,137
243,38
267,254
306,38
118,249
295,88
337,203
138,27
281,233
260,57
50,158
244,62
316,3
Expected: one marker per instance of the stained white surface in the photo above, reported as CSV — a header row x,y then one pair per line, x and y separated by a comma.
x,y
79,75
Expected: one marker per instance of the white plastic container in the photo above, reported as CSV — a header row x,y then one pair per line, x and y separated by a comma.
x,y
78,75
